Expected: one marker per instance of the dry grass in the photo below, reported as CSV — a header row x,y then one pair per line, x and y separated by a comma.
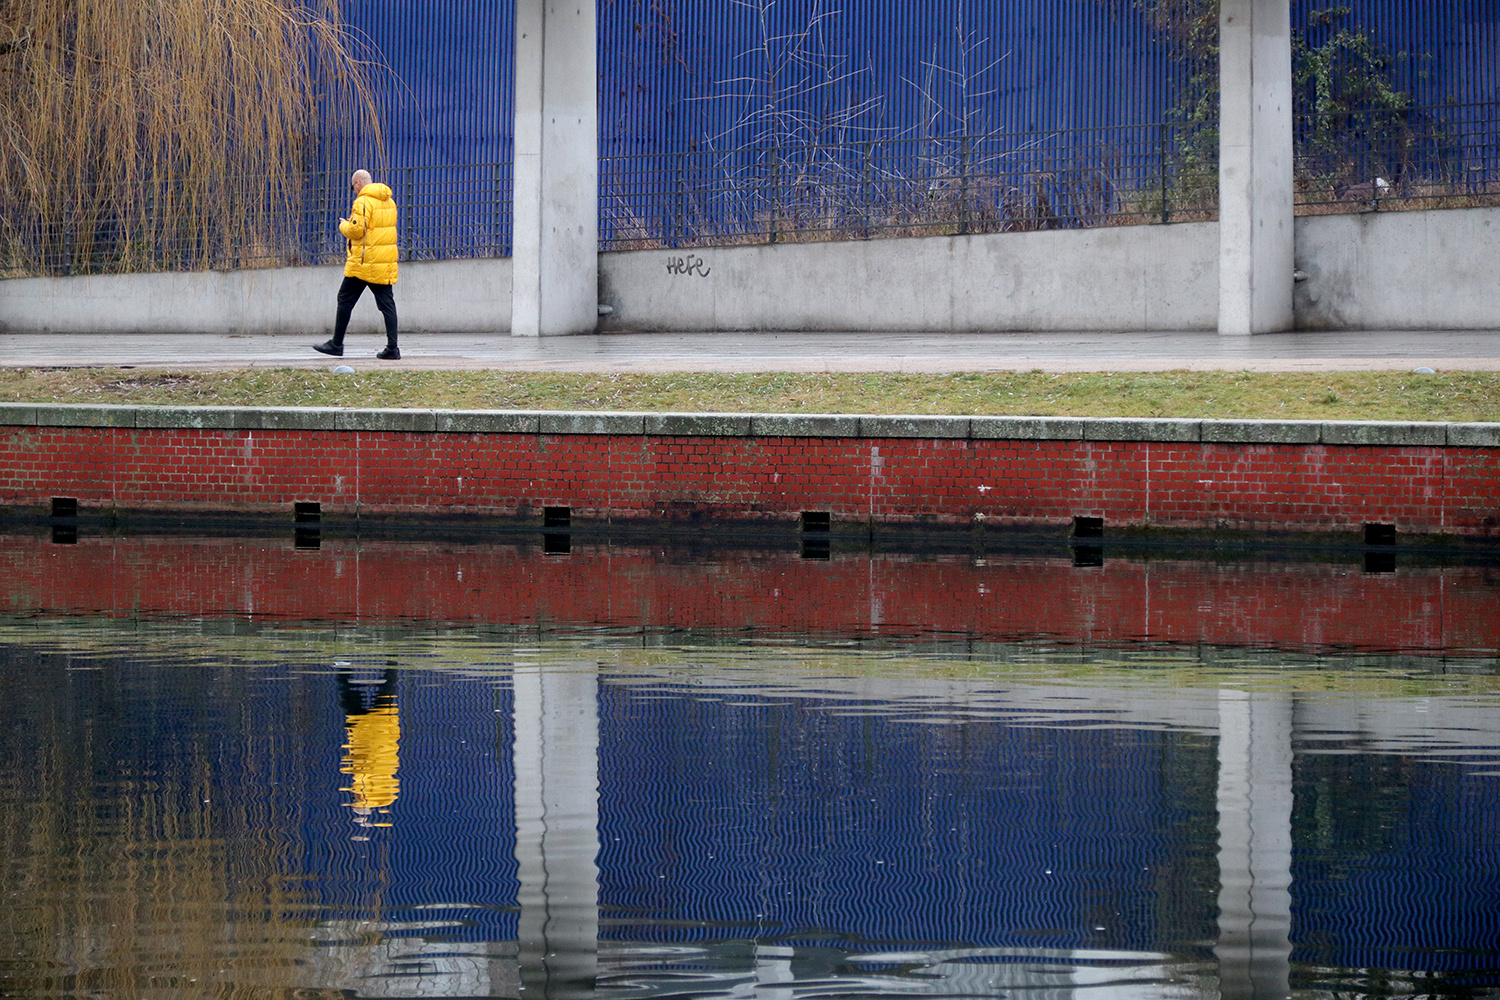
x,y
1428,198
1456,396
139,133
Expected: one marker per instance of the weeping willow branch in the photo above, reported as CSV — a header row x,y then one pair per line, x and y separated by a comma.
x,y
146,134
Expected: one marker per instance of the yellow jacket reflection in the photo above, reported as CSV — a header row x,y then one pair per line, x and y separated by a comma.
x,y
372,753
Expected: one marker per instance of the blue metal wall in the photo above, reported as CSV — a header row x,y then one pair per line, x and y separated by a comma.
x,y
444,85
1451,47
684,75
445,89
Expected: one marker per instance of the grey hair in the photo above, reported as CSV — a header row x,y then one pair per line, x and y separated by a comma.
x,y
359,179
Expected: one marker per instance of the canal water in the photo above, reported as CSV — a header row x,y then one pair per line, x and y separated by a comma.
x,y
263,767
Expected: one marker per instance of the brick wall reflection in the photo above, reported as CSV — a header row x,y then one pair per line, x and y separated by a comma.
x,y
1256,604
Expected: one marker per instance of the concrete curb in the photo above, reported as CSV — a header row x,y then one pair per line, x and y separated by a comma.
x,y
756,425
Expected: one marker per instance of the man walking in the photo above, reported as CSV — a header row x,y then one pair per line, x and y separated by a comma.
x,y
371,234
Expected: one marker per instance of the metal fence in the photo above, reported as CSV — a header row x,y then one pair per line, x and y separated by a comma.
x,y
449,212
1445,156
684,74
446,212
1436,157
159,225
1004,182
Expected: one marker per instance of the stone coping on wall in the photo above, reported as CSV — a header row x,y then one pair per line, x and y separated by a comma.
x,y
757,425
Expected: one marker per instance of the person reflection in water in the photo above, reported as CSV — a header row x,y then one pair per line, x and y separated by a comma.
x,y
372,753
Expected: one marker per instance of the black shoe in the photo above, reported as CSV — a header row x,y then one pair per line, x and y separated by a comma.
x,y
329,347
390,354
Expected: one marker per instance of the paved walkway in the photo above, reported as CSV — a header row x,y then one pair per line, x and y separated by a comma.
x,y
791,352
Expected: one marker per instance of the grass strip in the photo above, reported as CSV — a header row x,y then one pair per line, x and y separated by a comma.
x,y
1448,396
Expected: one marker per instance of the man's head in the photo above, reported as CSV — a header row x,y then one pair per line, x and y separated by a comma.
x,y
359,180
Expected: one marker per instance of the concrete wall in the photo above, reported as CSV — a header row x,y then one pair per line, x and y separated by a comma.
x,y
1400,271
1380,271
1133,278
457,296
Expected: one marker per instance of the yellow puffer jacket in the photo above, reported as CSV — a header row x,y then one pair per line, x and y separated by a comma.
x,y
371,232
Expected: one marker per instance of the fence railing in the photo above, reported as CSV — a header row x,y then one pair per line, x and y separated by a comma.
x,y
1437,157
1005,182
446,212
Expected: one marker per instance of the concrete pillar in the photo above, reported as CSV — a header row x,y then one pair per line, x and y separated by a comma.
x,y
1257,249
1255,846
555,258
557,830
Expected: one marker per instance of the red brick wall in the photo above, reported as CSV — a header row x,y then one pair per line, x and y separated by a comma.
x,y
1296,487
1247,604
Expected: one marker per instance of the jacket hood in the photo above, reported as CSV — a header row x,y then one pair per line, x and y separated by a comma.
x,y
377,191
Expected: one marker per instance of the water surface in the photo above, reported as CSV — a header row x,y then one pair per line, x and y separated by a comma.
x,y
203,800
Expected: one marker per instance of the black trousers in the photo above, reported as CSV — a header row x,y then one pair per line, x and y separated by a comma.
x,y
385,301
